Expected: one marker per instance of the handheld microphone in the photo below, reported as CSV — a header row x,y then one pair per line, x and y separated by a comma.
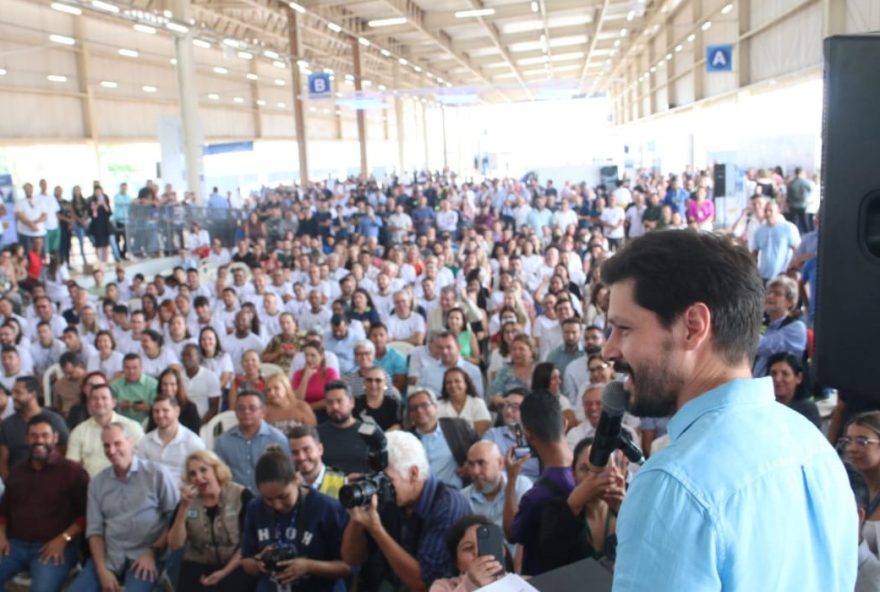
x,y
607,437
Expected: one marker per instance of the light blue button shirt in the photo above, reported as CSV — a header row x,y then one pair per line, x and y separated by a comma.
x,y
775,244
440,459
494,509
747,497
242,454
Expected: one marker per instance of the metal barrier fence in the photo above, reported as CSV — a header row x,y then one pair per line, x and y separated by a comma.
x,y
152,231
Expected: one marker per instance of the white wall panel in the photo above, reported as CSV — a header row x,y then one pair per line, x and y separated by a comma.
x,y
40,116
229,122
123,119
792,45
862,15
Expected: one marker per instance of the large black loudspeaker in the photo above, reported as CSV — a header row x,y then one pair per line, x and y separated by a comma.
x,y
848,313
719,180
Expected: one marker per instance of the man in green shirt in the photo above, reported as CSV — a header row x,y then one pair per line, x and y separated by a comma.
x,y
135,391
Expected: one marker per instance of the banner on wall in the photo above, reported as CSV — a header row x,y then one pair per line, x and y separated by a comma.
x,y
7,198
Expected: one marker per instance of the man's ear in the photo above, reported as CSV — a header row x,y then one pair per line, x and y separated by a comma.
x,y
697,319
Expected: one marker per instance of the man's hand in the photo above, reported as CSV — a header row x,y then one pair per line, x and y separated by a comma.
x,y
367,516
53,551
140,407
514,465
292,570
145,566
4,545
123,405
108,580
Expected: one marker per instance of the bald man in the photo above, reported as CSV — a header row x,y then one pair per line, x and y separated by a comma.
x,y
485,494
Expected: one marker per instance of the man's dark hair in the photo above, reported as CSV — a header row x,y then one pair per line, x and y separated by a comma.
x,y
9,349
338,385
200,301
304,431
69,357
41,418
120,309
374,326
252,393
674,269
70,329
571,321
542,416
131,356
31,384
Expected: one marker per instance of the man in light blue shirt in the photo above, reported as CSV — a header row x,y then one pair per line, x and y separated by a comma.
x,y
775,241
540,216
784,333
242,446
489,484
121,204
748,495
217,201
130,504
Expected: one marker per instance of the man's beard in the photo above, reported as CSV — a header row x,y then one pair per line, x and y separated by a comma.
x,y
40,452
339,418
654,388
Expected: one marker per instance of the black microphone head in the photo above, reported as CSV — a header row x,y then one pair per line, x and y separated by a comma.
x,y
614,398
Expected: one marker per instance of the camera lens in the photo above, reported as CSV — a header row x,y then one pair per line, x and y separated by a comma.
x,y
357,494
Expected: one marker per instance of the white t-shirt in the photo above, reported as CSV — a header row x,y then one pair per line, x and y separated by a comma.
x,y
201,387
32,208
549,334
634,217
236,347
155,366
474,410
623,196
110,367
402,329
613,216
51,207
563,219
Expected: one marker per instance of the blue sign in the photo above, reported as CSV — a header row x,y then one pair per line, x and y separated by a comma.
x,y
319,85
719,58
228,147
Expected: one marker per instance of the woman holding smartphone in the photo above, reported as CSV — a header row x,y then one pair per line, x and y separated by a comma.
x,y
475,570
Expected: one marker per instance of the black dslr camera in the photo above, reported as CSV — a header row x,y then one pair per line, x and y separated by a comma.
x,y
376,483
273,557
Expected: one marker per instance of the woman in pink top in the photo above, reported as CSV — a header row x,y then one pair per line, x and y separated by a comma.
x,y
476,571
308,383
701,211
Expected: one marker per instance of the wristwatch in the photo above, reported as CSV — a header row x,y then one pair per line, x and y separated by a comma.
x,y
67,537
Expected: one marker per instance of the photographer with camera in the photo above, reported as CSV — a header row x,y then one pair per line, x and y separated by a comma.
x,y
424,508
292,534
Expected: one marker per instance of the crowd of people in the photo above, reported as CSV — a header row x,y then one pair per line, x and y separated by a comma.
x,y
199,425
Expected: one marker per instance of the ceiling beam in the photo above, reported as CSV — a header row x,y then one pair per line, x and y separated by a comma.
x,y
520,10
492,30
595,36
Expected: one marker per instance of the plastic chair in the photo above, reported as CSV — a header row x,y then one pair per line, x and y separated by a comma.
x,y
51,374
404,347
267,369
218,424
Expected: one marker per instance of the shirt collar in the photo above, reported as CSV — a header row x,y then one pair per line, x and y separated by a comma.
x,y
741,391
135,465
479,496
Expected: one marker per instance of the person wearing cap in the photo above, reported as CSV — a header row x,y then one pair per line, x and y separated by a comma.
x,y
341,342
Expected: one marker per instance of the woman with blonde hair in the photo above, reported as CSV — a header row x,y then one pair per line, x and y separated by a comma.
x,y
283,409
208,524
